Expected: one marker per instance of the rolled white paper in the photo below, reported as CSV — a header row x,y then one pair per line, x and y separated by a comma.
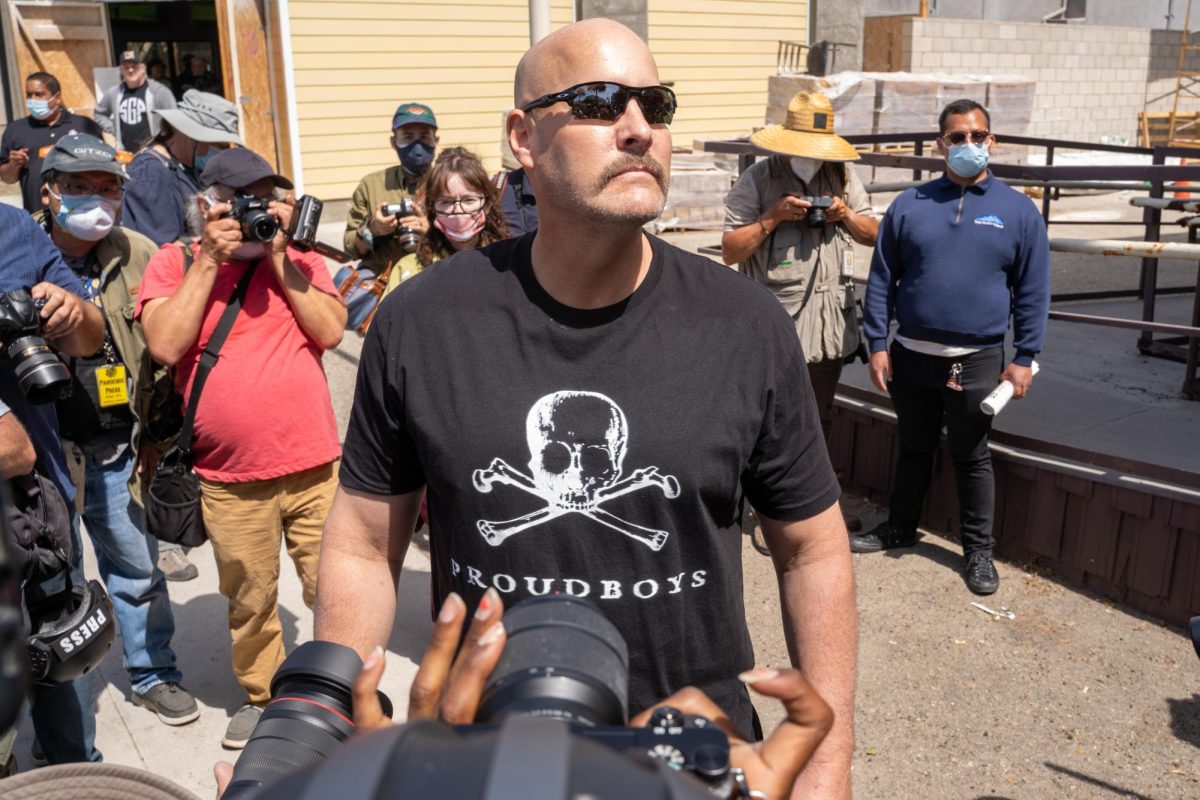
x,y
995,402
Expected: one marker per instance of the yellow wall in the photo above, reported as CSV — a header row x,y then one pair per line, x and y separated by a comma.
x,y
355,61
720,54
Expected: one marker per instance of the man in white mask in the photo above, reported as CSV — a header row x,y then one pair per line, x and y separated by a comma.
x,y
789,224
106,419
266,443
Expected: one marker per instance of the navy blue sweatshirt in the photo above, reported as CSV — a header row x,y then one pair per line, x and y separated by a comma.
x,y
953,263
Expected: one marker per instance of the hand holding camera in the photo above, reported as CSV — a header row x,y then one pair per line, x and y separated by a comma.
x,y
222,234
383,222
60,312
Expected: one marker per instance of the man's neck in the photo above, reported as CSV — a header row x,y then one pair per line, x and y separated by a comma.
x,y
53,119
68,244
588,270
135,86
967,183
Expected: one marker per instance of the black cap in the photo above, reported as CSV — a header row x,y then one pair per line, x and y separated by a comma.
x,y
131,55
81,152
237,168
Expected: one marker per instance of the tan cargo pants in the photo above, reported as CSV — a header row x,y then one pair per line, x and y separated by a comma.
x,y
245,523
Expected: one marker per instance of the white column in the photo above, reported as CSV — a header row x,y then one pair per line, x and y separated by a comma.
x,y
539,20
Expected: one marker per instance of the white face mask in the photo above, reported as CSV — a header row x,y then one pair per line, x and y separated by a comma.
x,y
804,168
89,217
250,251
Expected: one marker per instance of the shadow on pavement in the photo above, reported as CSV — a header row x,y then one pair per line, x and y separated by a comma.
x,y
1185,719
414,616
927,549
1117,790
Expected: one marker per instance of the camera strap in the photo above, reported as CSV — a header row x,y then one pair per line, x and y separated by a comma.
x,y
208,356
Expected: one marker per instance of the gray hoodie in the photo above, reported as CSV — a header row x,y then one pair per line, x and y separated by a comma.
x,y
158,97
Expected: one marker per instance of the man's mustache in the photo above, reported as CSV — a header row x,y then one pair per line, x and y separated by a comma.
x,y
629,161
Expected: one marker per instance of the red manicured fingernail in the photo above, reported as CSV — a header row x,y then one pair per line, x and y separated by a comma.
x,y
486,606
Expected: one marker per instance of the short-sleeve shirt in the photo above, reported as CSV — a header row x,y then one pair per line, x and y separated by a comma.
x,y
27,258
799,263
36,136
600,453
265,411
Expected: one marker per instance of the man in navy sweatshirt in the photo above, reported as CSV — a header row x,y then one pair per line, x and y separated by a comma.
x,y
955,259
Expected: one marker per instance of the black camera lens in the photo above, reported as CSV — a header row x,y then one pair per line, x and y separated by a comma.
x,y
409,239
816,217
563,659
259,226
40,374
309,716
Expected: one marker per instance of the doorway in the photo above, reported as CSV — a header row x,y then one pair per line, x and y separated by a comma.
x,y
180,42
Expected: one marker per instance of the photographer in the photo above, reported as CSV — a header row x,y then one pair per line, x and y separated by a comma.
x,y
266,442
371,232
83,182
776,237
64,715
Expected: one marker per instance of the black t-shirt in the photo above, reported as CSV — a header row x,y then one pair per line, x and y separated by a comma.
x,y
36,136
522,415
135,121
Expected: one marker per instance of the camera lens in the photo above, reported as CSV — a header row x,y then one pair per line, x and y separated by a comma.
x,y
408,239
40,373
259,226
563,659
309,716
816,217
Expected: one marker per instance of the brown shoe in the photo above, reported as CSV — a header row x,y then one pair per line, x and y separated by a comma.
x,y
853,523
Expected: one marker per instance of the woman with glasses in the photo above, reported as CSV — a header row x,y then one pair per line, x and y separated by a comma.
x,y
464,208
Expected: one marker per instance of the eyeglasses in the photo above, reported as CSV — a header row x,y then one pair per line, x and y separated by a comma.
x,y
467,204
960,137
606,101
78,188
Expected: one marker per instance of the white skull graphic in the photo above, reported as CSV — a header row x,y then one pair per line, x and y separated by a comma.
x,y
577,444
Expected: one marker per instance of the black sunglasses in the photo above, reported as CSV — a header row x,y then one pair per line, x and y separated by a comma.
x,y
606,101
960,137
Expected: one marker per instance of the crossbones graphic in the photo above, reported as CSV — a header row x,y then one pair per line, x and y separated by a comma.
x,y
577,443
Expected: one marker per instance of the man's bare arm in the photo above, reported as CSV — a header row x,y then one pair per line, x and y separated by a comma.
x,y
362,552
820,621
17,455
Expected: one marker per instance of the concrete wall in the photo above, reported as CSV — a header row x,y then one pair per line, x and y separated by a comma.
x,y
840,21
1091,81
1120,13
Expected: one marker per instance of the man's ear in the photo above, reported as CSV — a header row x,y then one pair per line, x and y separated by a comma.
x,y
45,195
519,128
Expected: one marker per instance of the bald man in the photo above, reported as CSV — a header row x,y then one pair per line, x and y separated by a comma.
x,y
586,409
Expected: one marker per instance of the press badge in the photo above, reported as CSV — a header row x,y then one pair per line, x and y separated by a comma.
x,y
110,381
847,263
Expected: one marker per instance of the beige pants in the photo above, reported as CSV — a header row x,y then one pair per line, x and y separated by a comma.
x,y
245,523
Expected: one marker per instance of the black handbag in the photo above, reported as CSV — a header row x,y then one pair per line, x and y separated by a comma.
x,y
173,497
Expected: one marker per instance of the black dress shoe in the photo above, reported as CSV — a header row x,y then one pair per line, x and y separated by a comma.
x,y
883,536
980,574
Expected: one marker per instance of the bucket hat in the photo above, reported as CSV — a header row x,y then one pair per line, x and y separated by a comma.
x,y
204,117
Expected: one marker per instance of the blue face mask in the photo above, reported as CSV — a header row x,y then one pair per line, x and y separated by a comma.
x,y
415,157
198,162
967,160
39,109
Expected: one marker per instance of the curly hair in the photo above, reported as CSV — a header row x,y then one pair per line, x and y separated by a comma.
x,y
461,162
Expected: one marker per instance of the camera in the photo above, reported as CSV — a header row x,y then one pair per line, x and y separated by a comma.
x,y
816,214
40,374
408,237
556,704
257,223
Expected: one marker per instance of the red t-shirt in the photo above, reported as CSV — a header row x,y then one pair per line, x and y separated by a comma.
x,y
265,411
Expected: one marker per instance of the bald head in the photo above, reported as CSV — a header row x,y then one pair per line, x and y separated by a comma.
x,y
592,50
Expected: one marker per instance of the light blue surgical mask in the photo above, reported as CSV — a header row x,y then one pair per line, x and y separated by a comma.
x,y
199,161
39,109
967,160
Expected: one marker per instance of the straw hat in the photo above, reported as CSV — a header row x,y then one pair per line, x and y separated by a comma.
x,y
807,132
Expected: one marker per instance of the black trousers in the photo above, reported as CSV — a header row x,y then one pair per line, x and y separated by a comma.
x,y
922,402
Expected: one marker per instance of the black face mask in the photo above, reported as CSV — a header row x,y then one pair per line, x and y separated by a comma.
x,y
415,157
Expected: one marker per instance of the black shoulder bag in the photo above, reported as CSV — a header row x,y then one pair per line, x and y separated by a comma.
x,y
173,499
